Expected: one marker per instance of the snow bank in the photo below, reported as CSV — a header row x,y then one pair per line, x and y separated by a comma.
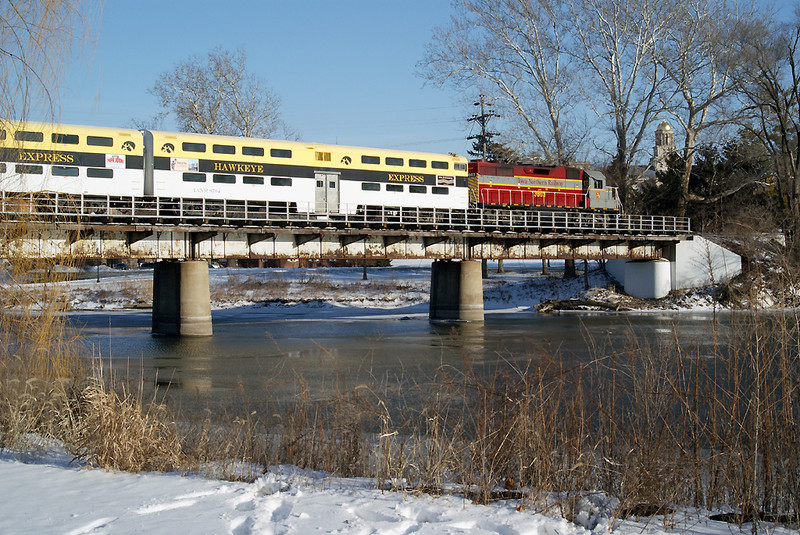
x,y
50,496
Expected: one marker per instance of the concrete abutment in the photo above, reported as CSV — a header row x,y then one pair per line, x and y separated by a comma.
x,y
693,263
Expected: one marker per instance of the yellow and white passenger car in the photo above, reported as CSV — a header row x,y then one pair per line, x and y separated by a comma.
x,y
296,176
41,157
308,177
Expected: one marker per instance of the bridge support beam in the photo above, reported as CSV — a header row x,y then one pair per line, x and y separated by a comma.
x,y
456,290
181,299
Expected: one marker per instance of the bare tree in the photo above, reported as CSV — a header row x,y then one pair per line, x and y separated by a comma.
x,y
36,40
615,42
772,86
516,49
216,95
701,66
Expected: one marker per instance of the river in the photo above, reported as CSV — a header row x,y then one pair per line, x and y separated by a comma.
x,y
272,348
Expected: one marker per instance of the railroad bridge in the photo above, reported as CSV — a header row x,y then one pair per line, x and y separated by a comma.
x,y
184,233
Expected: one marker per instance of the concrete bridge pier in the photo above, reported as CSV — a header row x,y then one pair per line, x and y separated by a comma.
x,y
456,290
181,298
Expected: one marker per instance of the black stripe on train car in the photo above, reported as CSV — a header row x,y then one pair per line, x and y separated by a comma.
x,y
397,177
51,157
162,163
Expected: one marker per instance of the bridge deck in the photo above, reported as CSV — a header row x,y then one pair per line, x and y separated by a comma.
x,y
93,210
54,225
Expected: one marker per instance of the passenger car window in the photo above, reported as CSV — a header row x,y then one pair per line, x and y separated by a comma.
x,y
100,173
194,177
194,147
280,153
99,141
24,135
67,139
253,151
65,171
28,169
224,149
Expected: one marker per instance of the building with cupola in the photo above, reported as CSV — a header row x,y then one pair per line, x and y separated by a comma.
x,y
665,145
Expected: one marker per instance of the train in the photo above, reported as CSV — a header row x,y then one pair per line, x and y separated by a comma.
x,y
292,176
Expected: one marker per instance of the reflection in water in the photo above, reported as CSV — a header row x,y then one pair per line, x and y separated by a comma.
x,y
186,365
464,338
255,354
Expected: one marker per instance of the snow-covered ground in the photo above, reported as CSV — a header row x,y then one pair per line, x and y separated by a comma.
x,y
47,493
521,287
51,495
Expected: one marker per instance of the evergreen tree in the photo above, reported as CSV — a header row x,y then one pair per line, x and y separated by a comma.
x,y
726,184
495,152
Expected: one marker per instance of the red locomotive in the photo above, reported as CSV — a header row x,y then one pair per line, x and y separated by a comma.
x,y
528,186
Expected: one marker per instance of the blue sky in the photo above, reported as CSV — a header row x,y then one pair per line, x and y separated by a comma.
x,y
344,70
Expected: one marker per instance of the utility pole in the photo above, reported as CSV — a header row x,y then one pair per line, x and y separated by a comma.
x,y
485,136
483,140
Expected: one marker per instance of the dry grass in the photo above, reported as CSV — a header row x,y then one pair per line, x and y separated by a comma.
x,y
117,431
125,291
277,289
39,359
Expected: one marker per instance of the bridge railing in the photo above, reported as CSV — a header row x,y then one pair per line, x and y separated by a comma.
x,y
94,209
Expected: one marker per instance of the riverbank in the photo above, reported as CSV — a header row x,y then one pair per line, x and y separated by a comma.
x,y
522,286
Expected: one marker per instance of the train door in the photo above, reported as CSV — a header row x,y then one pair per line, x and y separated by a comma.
x,y
327,194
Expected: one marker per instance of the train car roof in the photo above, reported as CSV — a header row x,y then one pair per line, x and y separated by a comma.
x,y
62,127
71,138
55,127
308,145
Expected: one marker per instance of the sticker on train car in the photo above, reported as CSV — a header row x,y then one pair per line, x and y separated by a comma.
x,y
115,161
184,164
